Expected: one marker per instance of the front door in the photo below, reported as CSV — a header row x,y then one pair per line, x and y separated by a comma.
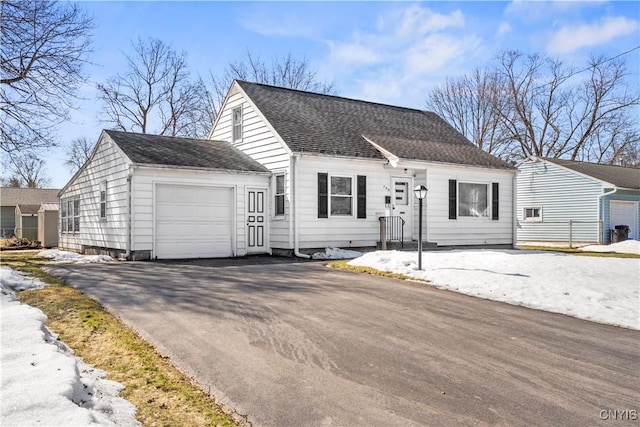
x,y
401,202
256,221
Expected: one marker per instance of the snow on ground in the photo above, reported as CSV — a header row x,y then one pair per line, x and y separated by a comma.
x,y
604,290
336,253
42,382
626,247
57,255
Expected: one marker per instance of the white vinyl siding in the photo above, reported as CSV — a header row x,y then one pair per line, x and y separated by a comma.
x,y
109,163
564,195
262,144
145,179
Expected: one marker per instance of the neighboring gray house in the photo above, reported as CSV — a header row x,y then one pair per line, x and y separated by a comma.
x,y
558,196
10,197
286,171
143,196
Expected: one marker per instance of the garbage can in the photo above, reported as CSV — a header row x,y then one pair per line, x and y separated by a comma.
x,y
620,233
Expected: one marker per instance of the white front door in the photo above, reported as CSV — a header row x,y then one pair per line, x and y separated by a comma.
x,y
624,213
256,221
402,202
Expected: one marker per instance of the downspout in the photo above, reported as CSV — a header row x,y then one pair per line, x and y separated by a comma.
x,y
294,183
601,238
127,253
514,208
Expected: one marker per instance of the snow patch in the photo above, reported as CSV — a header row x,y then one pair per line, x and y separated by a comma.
x,y
336,253
57,255
626,247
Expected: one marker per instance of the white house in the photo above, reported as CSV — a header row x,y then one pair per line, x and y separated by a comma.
x,y
577,202
340,164
146,196
288,172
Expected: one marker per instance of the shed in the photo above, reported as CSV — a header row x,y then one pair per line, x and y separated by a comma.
x,y
10,197
27,221
48,221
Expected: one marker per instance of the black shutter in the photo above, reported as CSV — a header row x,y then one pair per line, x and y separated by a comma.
x,y
453,190
323,196
494,201
362,196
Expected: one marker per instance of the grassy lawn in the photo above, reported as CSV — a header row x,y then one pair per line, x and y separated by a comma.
x,y
579,252
162,395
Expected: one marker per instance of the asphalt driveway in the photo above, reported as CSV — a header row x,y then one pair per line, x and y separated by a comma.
x,y
283,342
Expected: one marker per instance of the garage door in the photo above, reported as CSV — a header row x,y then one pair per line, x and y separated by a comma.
x,y
193,221
624,213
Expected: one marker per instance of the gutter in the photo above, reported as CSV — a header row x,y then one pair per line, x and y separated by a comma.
x,y
294,191
600,211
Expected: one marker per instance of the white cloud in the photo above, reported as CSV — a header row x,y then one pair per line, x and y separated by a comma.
x,y
572,38
542,9
503,29
409,48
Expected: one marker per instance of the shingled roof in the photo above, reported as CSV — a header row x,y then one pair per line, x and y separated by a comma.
x,y
13,196
620,176
324,124
183,152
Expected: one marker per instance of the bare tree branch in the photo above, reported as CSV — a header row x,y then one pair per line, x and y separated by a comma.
x,y
44,47
78,152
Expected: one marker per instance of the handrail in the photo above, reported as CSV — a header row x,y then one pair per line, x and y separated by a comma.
x,y
391,229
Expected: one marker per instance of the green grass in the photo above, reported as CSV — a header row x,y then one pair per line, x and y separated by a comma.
x,y
578,252
343,265
162,394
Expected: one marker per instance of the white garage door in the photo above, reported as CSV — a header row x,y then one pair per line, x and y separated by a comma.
x,y
624,213
193,221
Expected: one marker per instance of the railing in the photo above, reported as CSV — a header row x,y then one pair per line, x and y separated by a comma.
x,y
391,229
568,232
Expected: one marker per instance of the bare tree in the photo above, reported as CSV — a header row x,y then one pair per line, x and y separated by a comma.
x,y
78,152
556,114
286,72
155,94
534,105
43,49
474,105
29,170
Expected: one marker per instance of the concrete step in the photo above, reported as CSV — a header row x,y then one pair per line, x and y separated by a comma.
x,y
411,245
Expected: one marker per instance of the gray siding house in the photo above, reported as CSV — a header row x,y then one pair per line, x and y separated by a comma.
x,y
564,200
11,197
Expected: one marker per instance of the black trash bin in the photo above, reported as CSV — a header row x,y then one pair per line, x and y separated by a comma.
x,y
620,233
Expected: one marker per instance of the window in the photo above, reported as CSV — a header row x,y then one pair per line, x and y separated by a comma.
x,y
472,200
279,195
103,200
70,215
336,195
341,199
236,121
533,214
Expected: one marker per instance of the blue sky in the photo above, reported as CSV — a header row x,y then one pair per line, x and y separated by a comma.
x,y
389,52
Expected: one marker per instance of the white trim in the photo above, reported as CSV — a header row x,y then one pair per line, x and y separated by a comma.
x,y
532,218
235,124
488,216
353,178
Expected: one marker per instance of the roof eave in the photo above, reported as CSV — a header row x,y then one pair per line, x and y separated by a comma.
x,y
195,168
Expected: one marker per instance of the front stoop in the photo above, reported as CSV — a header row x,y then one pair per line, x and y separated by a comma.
x,y
408,246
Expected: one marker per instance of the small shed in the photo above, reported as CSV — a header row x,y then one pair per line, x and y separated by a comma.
x,y
27,221
48,225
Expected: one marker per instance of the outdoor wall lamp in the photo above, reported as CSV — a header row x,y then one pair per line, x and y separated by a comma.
x,y
420,192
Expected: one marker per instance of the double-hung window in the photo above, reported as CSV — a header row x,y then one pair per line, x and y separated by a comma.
x,y
236,121
103,200
279,195
341,200
70,215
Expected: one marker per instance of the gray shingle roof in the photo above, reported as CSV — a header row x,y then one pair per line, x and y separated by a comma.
x,y
29,209
183,152
622,177
325,124
11,196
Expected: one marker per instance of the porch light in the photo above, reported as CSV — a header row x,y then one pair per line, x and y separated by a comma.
x,y
420,192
